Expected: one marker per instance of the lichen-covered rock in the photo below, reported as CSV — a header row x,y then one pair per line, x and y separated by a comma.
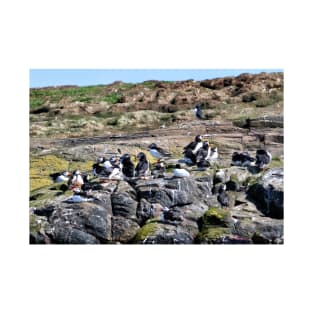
x,y
268,193
124,201
64,234
250,223
163,233
123,229
87,217
37,229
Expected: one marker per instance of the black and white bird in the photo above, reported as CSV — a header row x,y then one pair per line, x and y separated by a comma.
x,y
263,158
213,154
180,172
78,196
158,170
242,159
203,155
222,196
157,152
142,167
190,151
198,112
60,177
128,167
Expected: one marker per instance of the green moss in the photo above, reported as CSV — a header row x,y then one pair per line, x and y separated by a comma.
x,y
145,231
41,167
211,234
215,216
34,226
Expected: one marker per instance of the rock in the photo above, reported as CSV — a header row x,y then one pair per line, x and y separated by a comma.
x,y
124,201
145,211
87,217
268,193
161,233
70,235
37,230
123,229
249,222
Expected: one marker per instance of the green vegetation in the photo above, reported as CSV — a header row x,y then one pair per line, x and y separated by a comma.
x,y
149,84
114,97
38,96
145,231
41,167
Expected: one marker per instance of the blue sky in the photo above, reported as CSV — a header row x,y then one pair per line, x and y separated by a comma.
x,y
87,77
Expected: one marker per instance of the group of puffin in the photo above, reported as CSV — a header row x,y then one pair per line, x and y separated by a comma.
x,y
197,152
200,153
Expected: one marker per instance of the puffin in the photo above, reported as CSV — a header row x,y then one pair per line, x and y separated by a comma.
x,y
222,196
77,180
213,154
190,151
128,167
158,170
203,155
198,112
263,158
60,177
78,196
242,159
142,168
180,172
157,152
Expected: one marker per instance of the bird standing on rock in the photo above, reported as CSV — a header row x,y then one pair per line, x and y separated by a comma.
x,y
142,168
190,151
263,158
157,152
180,172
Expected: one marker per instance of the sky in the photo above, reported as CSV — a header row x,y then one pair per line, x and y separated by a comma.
x,y
88,77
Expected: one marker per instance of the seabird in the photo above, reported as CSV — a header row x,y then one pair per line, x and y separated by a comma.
x,y
77,179
78,196
158,170
198,112
242,159
128,167
263,158
190,151
180,172
142,168
222,196
213,154
203,155
157,152
60,177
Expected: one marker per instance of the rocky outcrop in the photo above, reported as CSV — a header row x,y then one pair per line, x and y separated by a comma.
x,y
268,193
167,211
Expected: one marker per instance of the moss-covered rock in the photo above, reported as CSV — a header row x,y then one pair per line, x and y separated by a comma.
x,y
216,216
212,234
145,231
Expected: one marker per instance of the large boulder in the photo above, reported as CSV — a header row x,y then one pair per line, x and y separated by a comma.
x,y
165,233
268,193
123,229
91,218
250,223
124,201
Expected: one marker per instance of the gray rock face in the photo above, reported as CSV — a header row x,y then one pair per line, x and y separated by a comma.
x,y
269,193
124,201
167,211
123,229
88,217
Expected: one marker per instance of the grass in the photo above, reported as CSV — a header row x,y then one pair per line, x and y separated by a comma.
x,y
41,167
114,97
38,96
